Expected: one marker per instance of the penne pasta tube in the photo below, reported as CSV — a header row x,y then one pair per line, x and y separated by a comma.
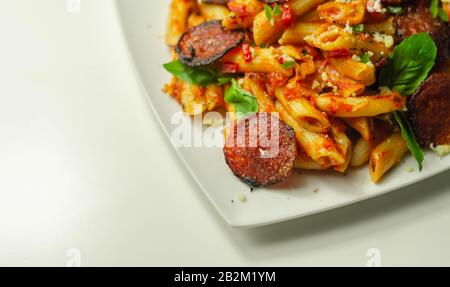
x,y
318,146
302,109
305,162
387,154
243,13
264,60
344,144
344,13
214,97
213,11
193,99
361,153
358,71
178,20
362,106
195,19
330,38
264,30
296,34
265,103
301,7
363,125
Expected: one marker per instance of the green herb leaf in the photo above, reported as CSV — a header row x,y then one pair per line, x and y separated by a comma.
x,y
358,28
442,15
410,139
196,76
288,64
409,64
395,10
243,102
269,12
277,10
365,58
434,8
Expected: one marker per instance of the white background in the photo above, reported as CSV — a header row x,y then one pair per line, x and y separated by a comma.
x,y
84,164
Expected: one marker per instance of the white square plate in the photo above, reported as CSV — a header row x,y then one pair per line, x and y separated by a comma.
x,y
143,23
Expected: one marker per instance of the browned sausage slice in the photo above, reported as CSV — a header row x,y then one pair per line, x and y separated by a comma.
x,y
261,150
207,43
429,111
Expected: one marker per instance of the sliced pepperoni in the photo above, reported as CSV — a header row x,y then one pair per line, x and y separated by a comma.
x,y
207,43
261,150
429,111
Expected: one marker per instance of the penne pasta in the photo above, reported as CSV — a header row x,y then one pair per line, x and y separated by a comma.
x,y
243,13
361,153
214,97
265,103
178,20
362,125
193,99
344,144
296,34
264,60
302,109
387,154
355,70
318,146
363,106
213,11
305,162
344,13
301,7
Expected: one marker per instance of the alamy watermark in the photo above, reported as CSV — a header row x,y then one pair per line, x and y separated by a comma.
x,y
74,257
214,129
73,6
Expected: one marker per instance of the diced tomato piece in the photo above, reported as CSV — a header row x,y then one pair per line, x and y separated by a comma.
x,y
229,68
247,53
287,17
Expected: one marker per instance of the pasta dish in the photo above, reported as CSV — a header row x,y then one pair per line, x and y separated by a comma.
x,y
334,84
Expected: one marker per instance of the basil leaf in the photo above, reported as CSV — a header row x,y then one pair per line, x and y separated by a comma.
x,y
243,102
434,8
277,10
269,13
196,76
409,64
442,15
410,139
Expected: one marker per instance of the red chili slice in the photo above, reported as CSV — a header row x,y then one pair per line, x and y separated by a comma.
x,y
247,53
